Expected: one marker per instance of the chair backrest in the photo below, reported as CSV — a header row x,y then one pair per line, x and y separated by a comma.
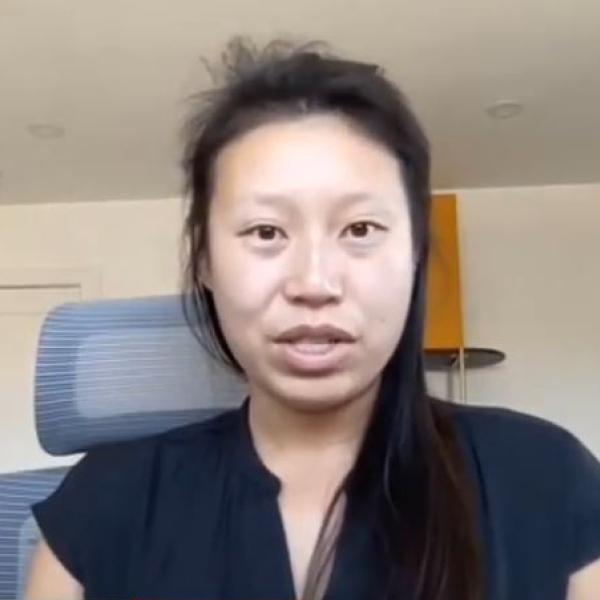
x,y
121,369
107,371
18,529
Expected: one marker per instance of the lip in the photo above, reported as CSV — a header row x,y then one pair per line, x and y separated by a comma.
x,y
305,363
324,331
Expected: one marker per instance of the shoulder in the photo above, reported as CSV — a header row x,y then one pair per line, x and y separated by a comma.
x,y
519,448
504,431
108,497
476,416
208,431
203,439
117,468
533,467
519,458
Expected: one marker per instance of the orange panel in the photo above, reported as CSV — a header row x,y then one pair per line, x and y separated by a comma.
x,y
444,324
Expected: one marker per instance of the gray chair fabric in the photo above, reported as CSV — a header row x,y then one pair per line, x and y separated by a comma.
x,y
107,371
120,369
18,530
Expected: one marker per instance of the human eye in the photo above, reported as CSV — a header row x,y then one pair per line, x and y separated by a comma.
x,y
360,229
266,233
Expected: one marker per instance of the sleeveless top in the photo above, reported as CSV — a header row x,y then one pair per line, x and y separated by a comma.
x,y
192,514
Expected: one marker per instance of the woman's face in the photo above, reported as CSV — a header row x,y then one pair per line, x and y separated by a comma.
x,y
309,225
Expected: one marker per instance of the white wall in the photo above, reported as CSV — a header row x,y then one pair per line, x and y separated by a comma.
x,y
134,248
530,277
132,242
531,283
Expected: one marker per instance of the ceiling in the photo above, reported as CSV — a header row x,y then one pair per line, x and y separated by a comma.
x,y
116,74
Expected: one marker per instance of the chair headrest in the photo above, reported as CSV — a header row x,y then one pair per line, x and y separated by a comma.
x,y
115,370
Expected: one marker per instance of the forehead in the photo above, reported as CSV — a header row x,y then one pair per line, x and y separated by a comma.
x,y
319,156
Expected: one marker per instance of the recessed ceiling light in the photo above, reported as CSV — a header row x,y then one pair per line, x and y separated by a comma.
x,y
504,109
46,131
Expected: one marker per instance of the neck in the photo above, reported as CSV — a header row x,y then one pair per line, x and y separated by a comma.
x,y
285,435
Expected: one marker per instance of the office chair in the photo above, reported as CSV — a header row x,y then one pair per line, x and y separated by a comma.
x,y
106,371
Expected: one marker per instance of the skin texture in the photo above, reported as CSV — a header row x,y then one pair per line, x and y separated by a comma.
x,y
585,583
313,260
48,579
315,268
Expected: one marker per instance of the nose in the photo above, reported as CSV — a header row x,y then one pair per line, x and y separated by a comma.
x,y
314,276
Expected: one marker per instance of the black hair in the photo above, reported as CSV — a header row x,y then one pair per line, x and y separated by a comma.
x,y
410,459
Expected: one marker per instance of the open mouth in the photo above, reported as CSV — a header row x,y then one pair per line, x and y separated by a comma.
x,y
315,356
316,347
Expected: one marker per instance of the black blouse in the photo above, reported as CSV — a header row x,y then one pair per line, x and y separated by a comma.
x,y
192,514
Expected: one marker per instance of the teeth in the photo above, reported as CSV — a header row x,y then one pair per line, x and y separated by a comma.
x,y
316,347
314,341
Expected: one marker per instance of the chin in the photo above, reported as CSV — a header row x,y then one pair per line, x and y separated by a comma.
x,y
314,396
314,405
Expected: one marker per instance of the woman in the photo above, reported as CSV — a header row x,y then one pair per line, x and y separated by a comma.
x,y
339,477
